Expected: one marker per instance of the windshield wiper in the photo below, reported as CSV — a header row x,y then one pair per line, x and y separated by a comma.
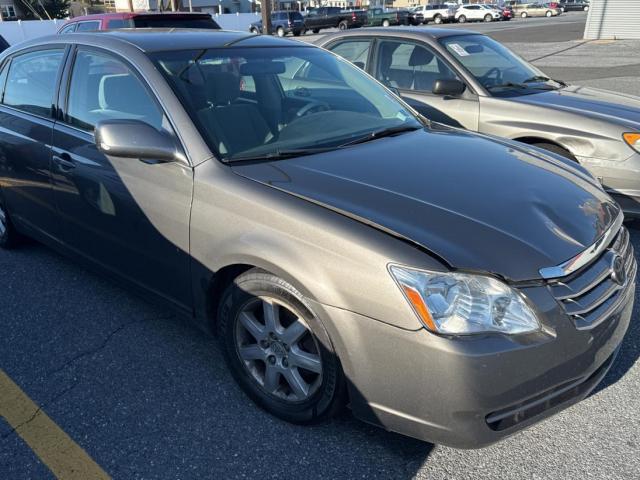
x,y
281,154
301,152
385,132
542,78
507,85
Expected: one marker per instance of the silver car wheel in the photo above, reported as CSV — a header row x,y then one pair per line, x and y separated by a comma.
x,y
3,221
385,23
278,350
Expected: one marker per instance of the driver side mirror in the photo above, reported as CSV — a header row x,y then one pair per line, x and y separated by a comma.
x,y
448,87
135,139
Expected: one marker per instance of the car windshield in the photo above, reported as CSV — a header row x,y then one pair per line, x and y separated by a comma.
x,y
497,68
251,103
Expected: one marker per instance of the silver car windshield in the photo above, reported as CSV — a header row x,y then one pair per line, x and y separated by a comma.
x,y
496,67
252,103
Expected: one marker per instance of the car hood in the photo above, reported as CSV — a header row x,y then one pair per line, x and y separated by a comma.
x,y
592,102
477,203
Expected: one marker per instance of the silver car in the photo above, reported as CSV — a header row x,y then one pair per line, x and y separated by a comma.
x,y
466,79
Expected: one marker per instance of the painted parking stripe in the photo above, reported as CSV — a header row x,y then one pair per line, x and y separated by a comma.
x,y
65,458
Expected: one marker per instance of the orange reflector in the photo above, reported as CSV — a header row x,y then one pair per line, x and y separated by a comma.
x,y
417,302
632,139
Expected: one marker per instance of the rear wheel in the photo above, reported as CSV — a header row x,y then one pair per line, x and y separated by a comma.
x,y
315,30
548,14
9,237
437,19
586,8
488,18
524,15
343,25
551,147
297,33
462,19
280,32
278,351
385,23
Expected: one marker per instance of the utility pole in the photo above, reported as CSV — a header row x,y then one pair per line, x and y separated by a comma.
x,y
266,17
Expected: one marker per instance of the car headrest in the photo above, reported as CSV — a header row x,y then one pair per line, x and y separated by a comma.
x,y
222,87
420,56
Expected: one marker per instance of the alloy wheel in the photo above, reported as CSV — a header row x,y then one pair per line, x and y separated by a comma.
x,y
278,350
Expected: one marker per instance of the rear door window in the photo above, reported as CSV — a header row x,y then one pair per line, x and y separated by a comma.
x,y
69,28
88,26
31,81
356,51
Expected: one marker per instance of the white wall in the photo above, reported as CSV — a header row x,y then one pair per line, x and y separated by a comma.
x,y
15,32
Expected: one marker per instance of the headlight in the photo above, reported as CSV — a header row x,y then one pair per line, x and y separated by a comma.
x,y
462,304
633,140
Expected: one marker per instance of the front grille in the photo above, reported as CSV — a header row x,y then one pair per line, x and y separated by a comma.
x,y
594,292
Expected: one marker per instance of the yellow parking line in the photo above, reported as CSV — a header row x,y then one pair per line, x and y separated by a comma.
x,y
65,458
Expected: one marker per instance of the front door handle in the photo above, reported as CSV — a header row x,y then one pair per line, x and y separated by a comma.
x,y
64,162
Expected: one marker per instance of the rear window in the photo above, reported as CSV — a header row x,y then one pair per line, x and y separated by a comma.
x,y
120,23
165,21
88,26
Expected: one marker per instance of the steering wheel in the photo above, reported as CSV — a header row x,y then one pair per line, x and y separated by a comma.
x,y
496,73
313,106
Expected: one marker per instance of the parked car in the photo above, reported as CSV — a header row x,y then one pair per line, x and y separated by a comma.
x,y
476,12
537,10
110,21
507,12
282,23
3,44
468,80
436,13
414,18
284,218
381,17
317,19
575,5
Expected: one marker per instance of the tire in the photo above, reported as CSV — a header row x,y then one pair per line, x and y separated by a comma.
x,y
586,8
524,14
385,23
9,236
315,30
548,14
550,147
280,32
488,18
437,19
255,31
297,33
343,25
244,327
462,19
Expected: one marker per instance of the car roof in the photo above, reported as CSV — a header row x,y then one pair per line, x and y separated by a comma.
x,y
124,15
417,33
165,39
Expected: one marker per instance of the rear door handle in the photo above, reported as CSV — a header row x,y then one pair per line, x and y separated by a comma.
x,y
64,162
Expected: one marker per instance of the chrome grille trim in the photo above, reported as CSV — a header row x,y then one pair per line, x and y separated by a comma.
x,y
590,295
584,257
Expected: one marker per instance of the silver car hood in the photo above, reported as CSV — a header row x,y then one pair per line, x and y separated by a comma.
x,y
478,204
592,102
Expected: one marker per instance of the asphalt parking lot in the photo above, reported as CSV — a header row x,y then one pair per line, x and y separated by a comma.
x,y
130,391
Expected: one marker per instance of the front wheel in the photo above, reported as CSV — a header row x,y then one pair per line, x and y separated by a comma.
x,y
315,30
462,19
586,8
385,23
278,351
437,19
488,18
548,14
524,15
343,25
280,32
9,237
255,31
558,150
